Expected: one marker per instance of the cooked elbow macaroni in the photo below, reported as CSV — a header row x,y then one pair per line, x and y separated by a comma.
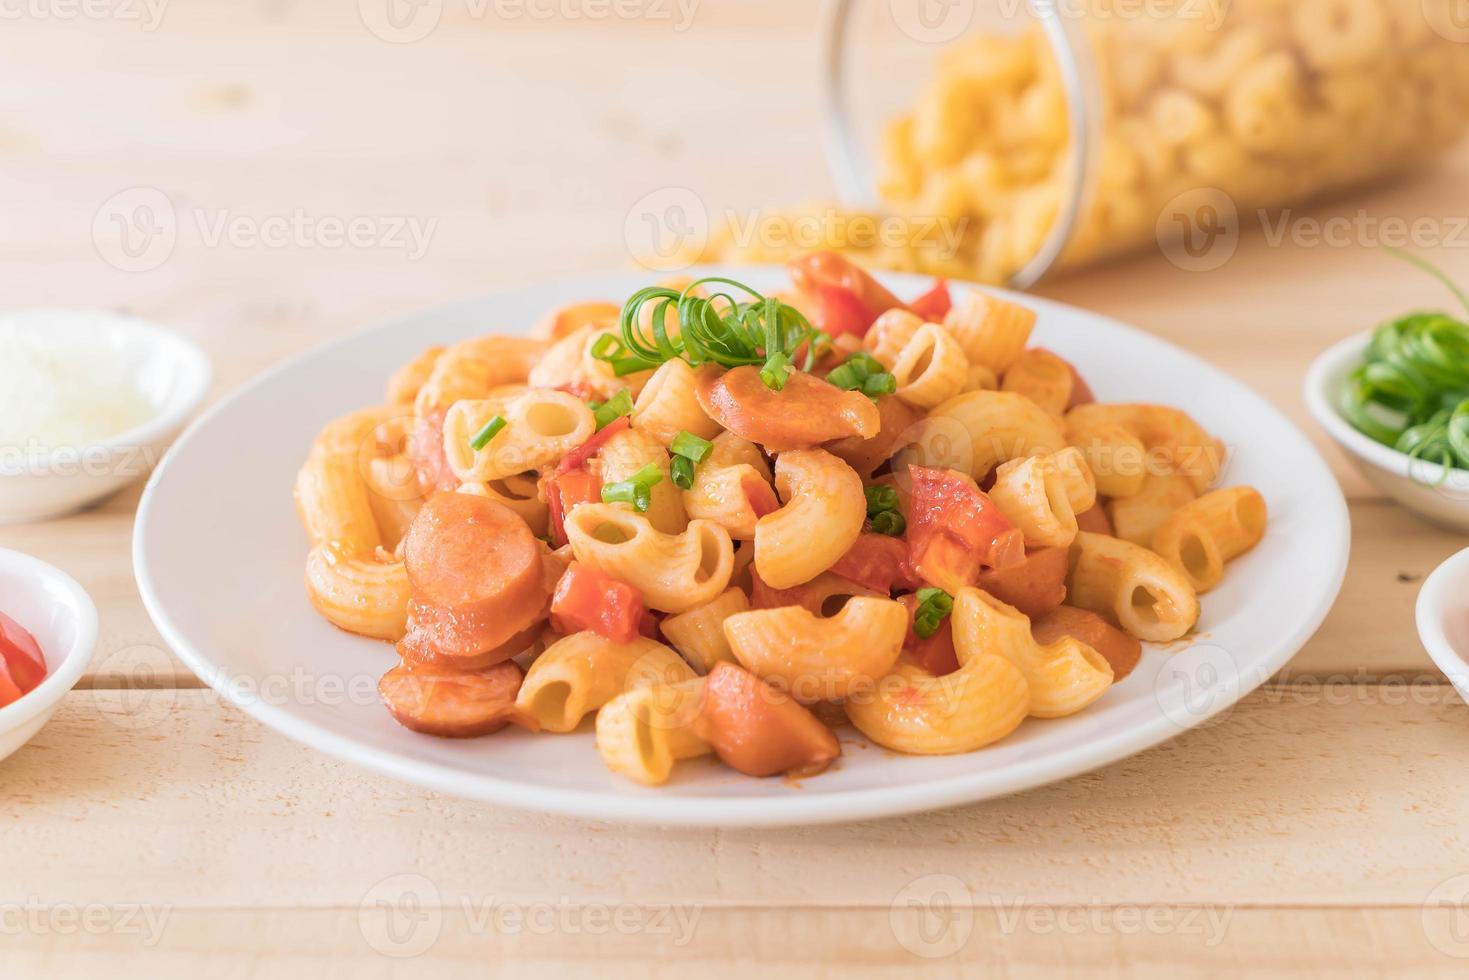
x,y
829,603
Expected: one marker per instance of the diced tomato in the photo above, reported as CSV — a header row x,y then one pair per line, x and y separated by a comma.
x,y
1035,586
877,561
22,654
847,298
934,304
563,492
954,530
588,598
840,311
10,691
1120,650
759,730
936,653
761,496
577,458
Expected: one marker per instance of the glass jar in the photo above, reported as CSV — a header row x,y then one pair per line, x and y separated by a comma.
x,y
1054,133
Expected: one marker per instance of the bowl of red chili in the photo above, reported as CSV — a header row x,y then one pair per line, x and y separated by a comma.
x,y
48,634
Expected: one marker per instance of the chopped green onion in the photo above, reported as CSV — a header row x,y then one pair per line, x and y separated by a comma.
x,y
934,606
1412,390
691,447
848,377
682,469
637,491
865,373
881,383
889,522
880,498
713,329
612,409
775,372
483,436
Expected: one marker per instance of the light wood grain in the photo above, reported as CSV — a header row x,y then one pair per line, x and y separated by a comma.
x,y
1022,942
1302,795
1320,814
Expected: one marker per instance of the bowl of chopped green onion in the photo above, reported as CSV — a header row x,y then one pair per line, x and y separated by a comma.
x,y
1397,399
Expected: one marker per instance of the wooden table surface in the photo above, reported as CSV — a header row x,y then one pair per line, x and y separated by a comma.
x,y
151,830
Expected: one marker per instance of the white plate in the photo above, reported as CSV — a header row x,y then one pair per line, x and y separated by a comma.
x,y
1443,619
219,555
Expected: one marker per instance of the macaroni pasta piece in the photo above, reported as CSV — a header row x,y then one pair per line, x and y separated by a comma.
x,y
472,368
520,494
350,578
628,452
976,431
408,380
569,319
675,572
1136,518
816,659
541,426
580,673
889,334
991,331
1042,495
822,516
641,733
669,404
931,368
1199,537
1064,677
1143,593
915,712
1173,442
723,483
1042,377
569,364
699,633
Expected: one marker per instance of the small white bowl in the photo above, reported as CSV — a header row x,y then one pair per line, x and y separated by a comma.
x,y
60,615
1422,487
1443,619
171,374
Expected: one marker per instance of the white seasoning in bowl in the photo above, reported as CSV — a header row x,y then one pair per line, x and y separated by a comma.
x,y
58,391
